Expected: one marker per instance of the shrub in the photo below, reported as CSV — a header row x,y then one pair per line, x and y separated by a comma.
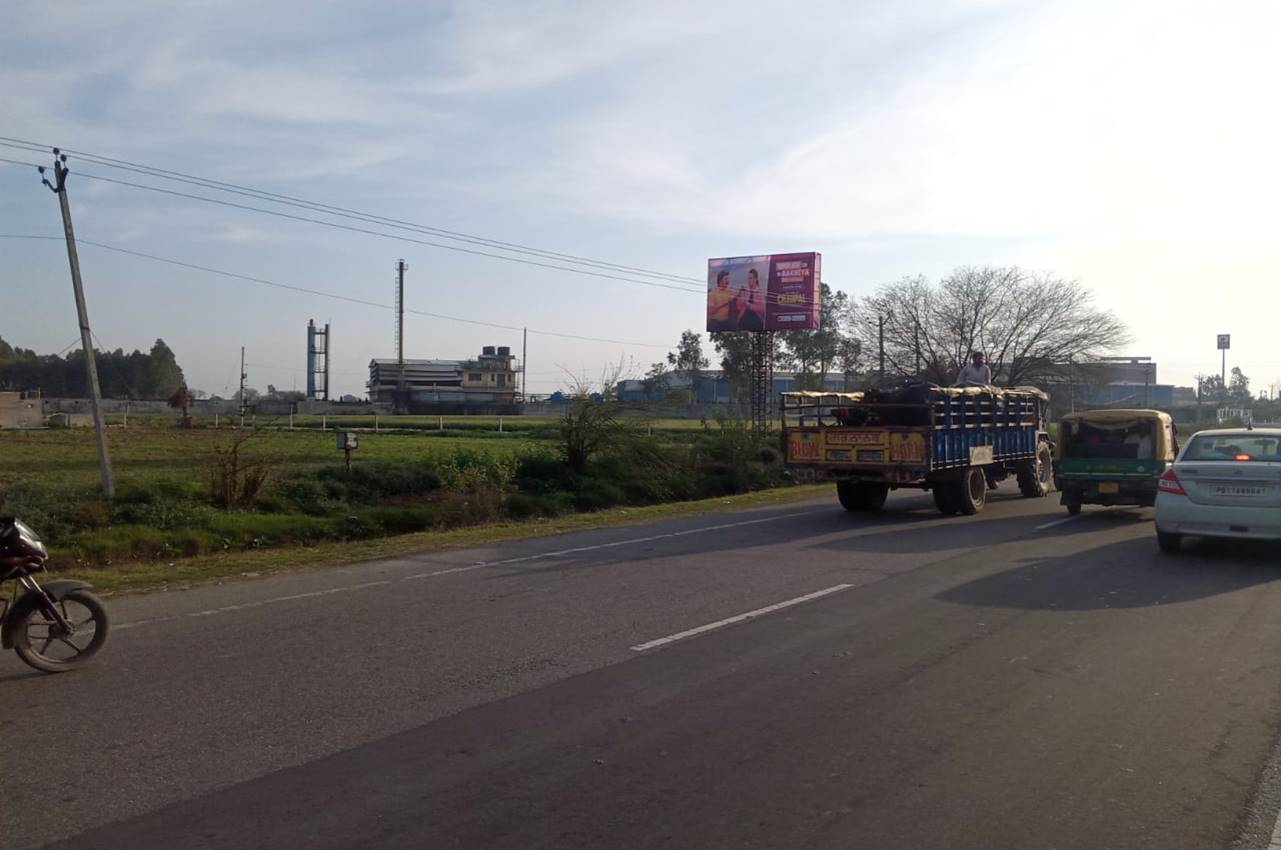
x,y
594,494
237,476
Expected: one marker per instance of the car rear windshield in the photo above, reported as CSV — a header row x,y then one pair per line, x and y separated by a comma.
x,y
1242,447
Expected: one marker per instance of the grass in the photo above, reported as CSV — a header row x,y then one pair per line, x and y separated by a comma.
x,y
183,498
145,576
68,459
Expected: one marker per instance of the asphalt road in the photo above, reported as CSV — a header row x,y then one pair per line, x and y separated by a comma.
x,y
1016,679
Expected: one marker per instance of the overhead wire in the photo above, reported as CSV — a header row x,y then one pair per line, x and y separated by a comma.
x,y
346,212
700,289
265,282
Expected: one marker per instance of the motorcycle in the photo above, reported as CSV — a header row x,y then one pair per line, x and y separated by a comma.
x,y
54,627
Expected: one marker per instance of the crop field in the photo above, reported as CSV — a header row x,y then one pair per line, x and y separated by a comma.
x,y
201,491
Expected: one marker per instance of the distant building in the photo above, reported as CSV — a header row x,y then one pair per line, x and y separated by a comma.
x,y
713,386
486,384
21,410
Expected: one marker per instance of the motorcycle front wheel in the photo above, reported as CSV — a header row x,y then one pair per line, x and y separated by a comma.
x,y
41,642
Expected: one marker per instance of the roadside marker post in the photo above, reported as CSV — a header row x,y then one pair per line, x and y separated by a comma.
x,y
347,443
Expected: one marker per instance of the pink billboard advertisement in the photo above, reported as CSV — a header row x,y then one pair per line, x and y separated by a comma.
x,y
771,292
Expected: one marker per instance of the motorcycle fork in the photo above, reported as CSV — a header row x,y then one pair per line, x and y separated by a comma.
x,y
50,606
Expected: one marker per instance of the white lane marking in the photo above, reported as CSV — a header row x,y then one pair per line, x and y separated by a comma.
x,y
258,603
1057,522
738,618
630,542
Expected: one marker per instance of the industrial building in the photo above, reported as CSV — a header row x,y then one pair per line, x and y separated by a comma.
x,y
486,384
713,387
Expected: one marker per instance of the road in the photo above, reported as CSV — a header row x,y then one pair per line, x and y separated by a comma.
x,y
1015,679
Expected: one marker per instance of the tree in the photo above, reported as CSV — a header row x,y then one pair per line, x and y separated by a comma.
x,y
688,360
819,352
1239,388
181,400
163,372
1209,388
735,349
655,380
1030,326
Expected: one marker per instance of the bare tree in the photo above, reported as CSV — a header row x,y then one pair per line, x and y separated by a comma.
x,y
1030,326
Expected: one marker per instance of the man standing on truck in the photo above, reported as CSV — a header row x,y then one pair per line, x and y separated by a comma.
x,y
976,373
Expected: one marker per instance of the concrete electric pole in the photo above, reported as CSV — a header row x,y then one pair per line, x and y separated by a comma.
x,y
59,187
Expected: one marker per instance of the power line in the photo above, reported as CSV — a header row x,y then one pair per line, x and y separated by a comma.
x,y
668,282
700,289
265,282
397,237
344,212
179,176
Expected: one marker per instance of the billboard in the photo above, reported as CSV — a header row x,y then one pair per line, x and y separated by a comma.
x,y
770,292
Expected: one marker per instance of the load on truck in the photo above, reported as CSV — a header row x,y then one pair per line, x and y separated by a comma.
x,y
956,442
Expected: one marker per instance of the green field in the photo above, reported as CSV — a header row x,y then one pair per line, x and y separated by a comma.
x,y
68,458
288,487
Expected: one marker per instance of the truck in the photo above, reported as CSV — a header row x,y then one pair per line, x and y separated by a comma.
x,y
956,442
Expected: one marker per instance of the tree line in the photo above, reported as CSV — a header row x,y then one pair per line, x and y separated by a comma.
x,y
1034,328
134,375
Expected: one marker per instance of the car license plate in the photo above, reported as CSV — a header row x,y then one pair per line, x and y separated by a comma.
x,y
1109,487
871,456
1230,490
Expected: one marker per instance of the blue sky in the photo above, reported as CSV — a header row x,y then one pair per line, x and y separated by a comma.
x,y
1132,145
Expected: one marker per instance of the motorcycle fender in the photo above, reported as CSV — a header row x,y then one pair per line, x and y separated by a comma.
x,y
18,613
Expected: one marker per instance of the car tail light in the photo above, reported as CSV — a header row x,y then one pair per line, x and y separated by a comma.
x,y
1169,483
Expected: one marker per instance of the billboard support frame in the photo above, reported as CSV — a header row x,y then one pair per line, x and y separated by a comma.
x,y
762,387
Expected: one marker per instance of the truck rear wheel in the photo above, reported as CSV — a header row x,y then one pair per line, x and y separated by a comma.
x,y
945,498
864,496
969,493
1035,476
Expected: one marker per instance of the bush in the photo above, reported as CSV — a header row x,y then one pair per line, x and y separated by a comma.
x,y
594,494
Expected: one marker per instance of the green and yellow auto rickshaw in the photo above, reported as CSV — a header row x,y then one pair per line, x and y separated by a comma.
x,y
1113,457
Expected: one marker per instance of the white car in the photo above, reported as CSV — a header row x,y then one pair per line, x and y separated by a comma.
x,y
1225,483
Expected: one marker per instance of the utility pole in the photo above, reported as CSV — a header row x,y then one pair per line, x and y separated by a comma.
x,y
916,343
1071,384
524,367
243,375
59,187
880,334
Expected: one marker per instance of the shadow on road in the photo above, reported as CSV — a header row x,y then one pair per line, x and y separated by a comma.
x,y
982,530
1128,574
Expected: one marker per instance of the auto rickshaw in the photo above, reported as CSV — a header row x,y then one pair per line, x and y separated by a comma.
x,y
1113,457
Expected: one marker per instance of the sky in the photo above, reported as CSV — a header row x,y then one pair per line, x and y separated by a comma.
x,y
1134,146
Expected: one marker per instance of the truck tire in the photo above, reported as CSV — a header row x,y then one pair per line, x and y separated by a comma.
x,y
970,492
863,496
1035,476
945,498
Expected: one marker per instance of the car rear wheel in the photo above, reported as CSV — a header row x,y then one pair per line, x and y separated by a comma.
x,y
1169,543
